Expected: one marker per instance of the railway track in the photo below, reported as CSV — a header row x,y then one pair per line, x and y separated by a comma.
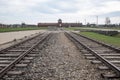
x,y
107,57
15,58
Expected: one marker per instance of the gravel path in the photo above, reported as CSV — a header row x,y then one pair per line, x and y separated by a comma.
x,y
61,60
9,36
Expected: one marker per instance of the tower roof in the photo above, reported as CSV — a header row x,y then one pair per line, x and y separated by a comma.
x,y
59,19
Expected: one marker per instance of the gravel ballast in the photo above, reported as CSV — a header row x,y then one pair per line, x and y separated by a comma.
x,y
61,60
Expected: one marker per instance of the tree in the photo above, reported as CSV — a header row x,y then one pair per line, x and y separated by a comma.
x,y
88,24
107,21
23,24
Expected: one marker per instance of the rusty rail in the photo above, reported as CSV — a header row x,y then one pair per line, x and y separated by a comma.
x,y
102,59
17,60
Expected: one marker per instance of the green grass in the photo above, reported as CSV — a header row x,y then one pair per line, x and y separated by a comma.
x,y
91,28
103,38
118,35
20,29
72,28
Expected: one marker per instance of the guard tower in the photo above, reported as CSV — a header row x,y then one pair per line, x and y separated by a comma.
x,y
59,22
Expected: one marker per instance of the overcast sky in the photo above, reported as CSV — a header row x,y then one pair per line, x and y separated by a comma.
x,y
34,11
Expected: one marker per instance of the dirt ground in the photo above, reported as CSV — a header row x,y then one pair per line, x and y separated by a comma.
x,y
6,39
9,36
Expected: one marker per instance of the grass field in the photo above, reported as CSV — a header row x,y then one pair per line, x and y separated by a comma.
x,y
20,29
90,28
72,28
118,35
103,38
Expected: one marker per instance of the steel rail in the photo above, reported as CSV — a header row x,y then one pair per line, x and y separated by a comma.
x,y
105,61
107,45
17,60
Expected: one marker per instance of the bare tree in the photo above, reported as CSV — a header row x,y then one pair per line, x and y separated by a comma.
x,y
107,21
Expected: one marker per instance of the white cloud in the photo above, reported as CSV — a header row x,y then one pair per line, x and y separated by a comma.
x,y
33,11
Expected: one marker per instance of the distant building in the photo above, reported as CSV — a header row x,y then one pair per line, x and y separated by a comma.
x,y
16,25
60,24
46,24
3,25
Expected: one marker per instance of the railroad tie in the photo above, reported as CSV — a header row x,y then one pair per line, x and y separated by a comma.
x,y
99,62
7,62
15,72
17,65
